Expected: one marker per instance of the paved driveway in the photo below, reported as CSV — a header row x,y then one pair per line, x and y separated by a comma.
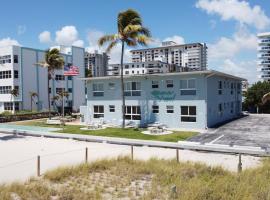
x,y
252,130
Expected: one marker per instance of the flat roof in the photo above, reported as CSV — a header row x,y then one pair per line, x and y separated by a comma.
x,y
263,34
164,47
205,72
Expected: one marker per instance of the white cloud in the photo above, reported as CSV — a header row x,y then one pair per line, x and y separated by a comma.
x,y
45,37
66,36
78,43
244,69
8,41
240,11
176,38
226,47
21,29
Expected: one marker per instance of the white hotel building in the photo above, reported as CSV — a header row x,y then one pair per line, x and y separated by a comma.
x,y
264,56
192,56
18,71
150,67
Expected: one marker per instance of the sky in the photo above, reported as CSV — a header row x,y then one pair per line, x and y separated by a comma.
x,y
228,27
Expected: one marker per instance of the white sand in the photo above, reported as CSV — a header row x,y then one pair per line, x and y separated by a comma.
x,y
59,152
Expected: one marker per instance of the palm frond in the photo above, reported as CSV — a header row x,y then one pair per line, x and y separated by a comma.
x,y
266,98
128,17
143,40
107,38
136,29
110,46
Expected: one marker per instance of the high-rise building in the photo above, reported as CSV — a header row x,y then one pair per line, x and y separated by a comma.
x,y
96,64
18,71
191,56
264,56
151,67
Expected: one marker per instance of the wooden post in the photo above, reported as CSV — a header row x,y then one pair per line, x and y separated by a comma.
x,y
239,164
86,155
177,155
38,165
131,152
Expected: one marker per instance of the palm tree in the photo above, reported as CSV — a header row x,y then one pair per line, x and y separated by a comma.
x,y
266,98
53,61
54,100
62,95
130,32
33,95
14,93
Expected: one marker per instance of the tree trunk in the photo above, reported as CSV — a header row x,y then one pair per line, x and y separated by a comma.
x,y
122,87
49,102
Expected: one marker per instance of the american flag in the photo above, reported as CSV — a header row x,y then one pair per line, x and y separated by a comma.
x,y
71,70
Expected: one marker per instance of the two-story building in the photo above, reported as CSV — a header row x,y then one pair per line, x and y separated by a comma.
x,y
185,100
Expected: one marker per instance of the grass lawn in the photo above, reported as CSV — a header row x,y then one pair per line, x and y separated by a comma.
x,y
115,132
123,178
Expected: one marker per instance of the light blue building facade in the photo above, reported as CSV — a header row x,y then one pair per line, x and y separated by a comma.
x,y
185,100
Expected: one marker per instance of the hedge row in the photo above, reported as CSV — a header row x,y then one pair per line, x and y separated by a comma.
x,y
25,116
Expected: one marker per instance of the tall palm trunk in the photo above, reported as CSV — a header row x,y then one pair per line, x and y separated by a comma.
x,y
122,86
49,102
31,104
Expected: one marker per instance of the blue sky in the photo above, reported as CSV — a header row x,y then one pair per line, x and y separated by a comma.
x,y
229,27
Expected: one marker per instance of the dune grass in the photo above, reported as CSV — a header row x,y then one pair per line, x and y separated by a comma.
x,y
129,133
153,179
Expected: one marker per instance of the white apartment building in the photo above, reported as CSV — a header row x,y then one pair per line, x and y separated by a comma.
x,y
18,71
192,56
149,67
96,63
264,56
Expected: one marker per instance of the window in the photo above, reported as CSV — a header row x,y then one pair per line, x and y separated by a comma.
x,y
231,88
188,87
17,89
154,84
111,108
155,109
111,86
16,74
59,77
126,72
133,112
220,108
59,90
70,90
132,89
98,111
169,109
5,89
70,78
169,83
188,113
232,107
5,59
5,74
8,106
219,87
15,58
98,90
50,90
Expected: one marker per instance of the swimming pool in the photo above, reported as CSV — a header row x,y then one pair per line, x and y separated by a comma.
x,y
27,128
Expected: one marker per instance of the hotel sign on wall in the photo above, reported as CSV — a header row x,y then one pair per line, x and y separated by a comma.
x,y
163,95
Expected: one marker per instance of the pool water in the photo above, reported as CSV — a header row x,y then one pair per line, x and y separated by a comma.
x,y
27,128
